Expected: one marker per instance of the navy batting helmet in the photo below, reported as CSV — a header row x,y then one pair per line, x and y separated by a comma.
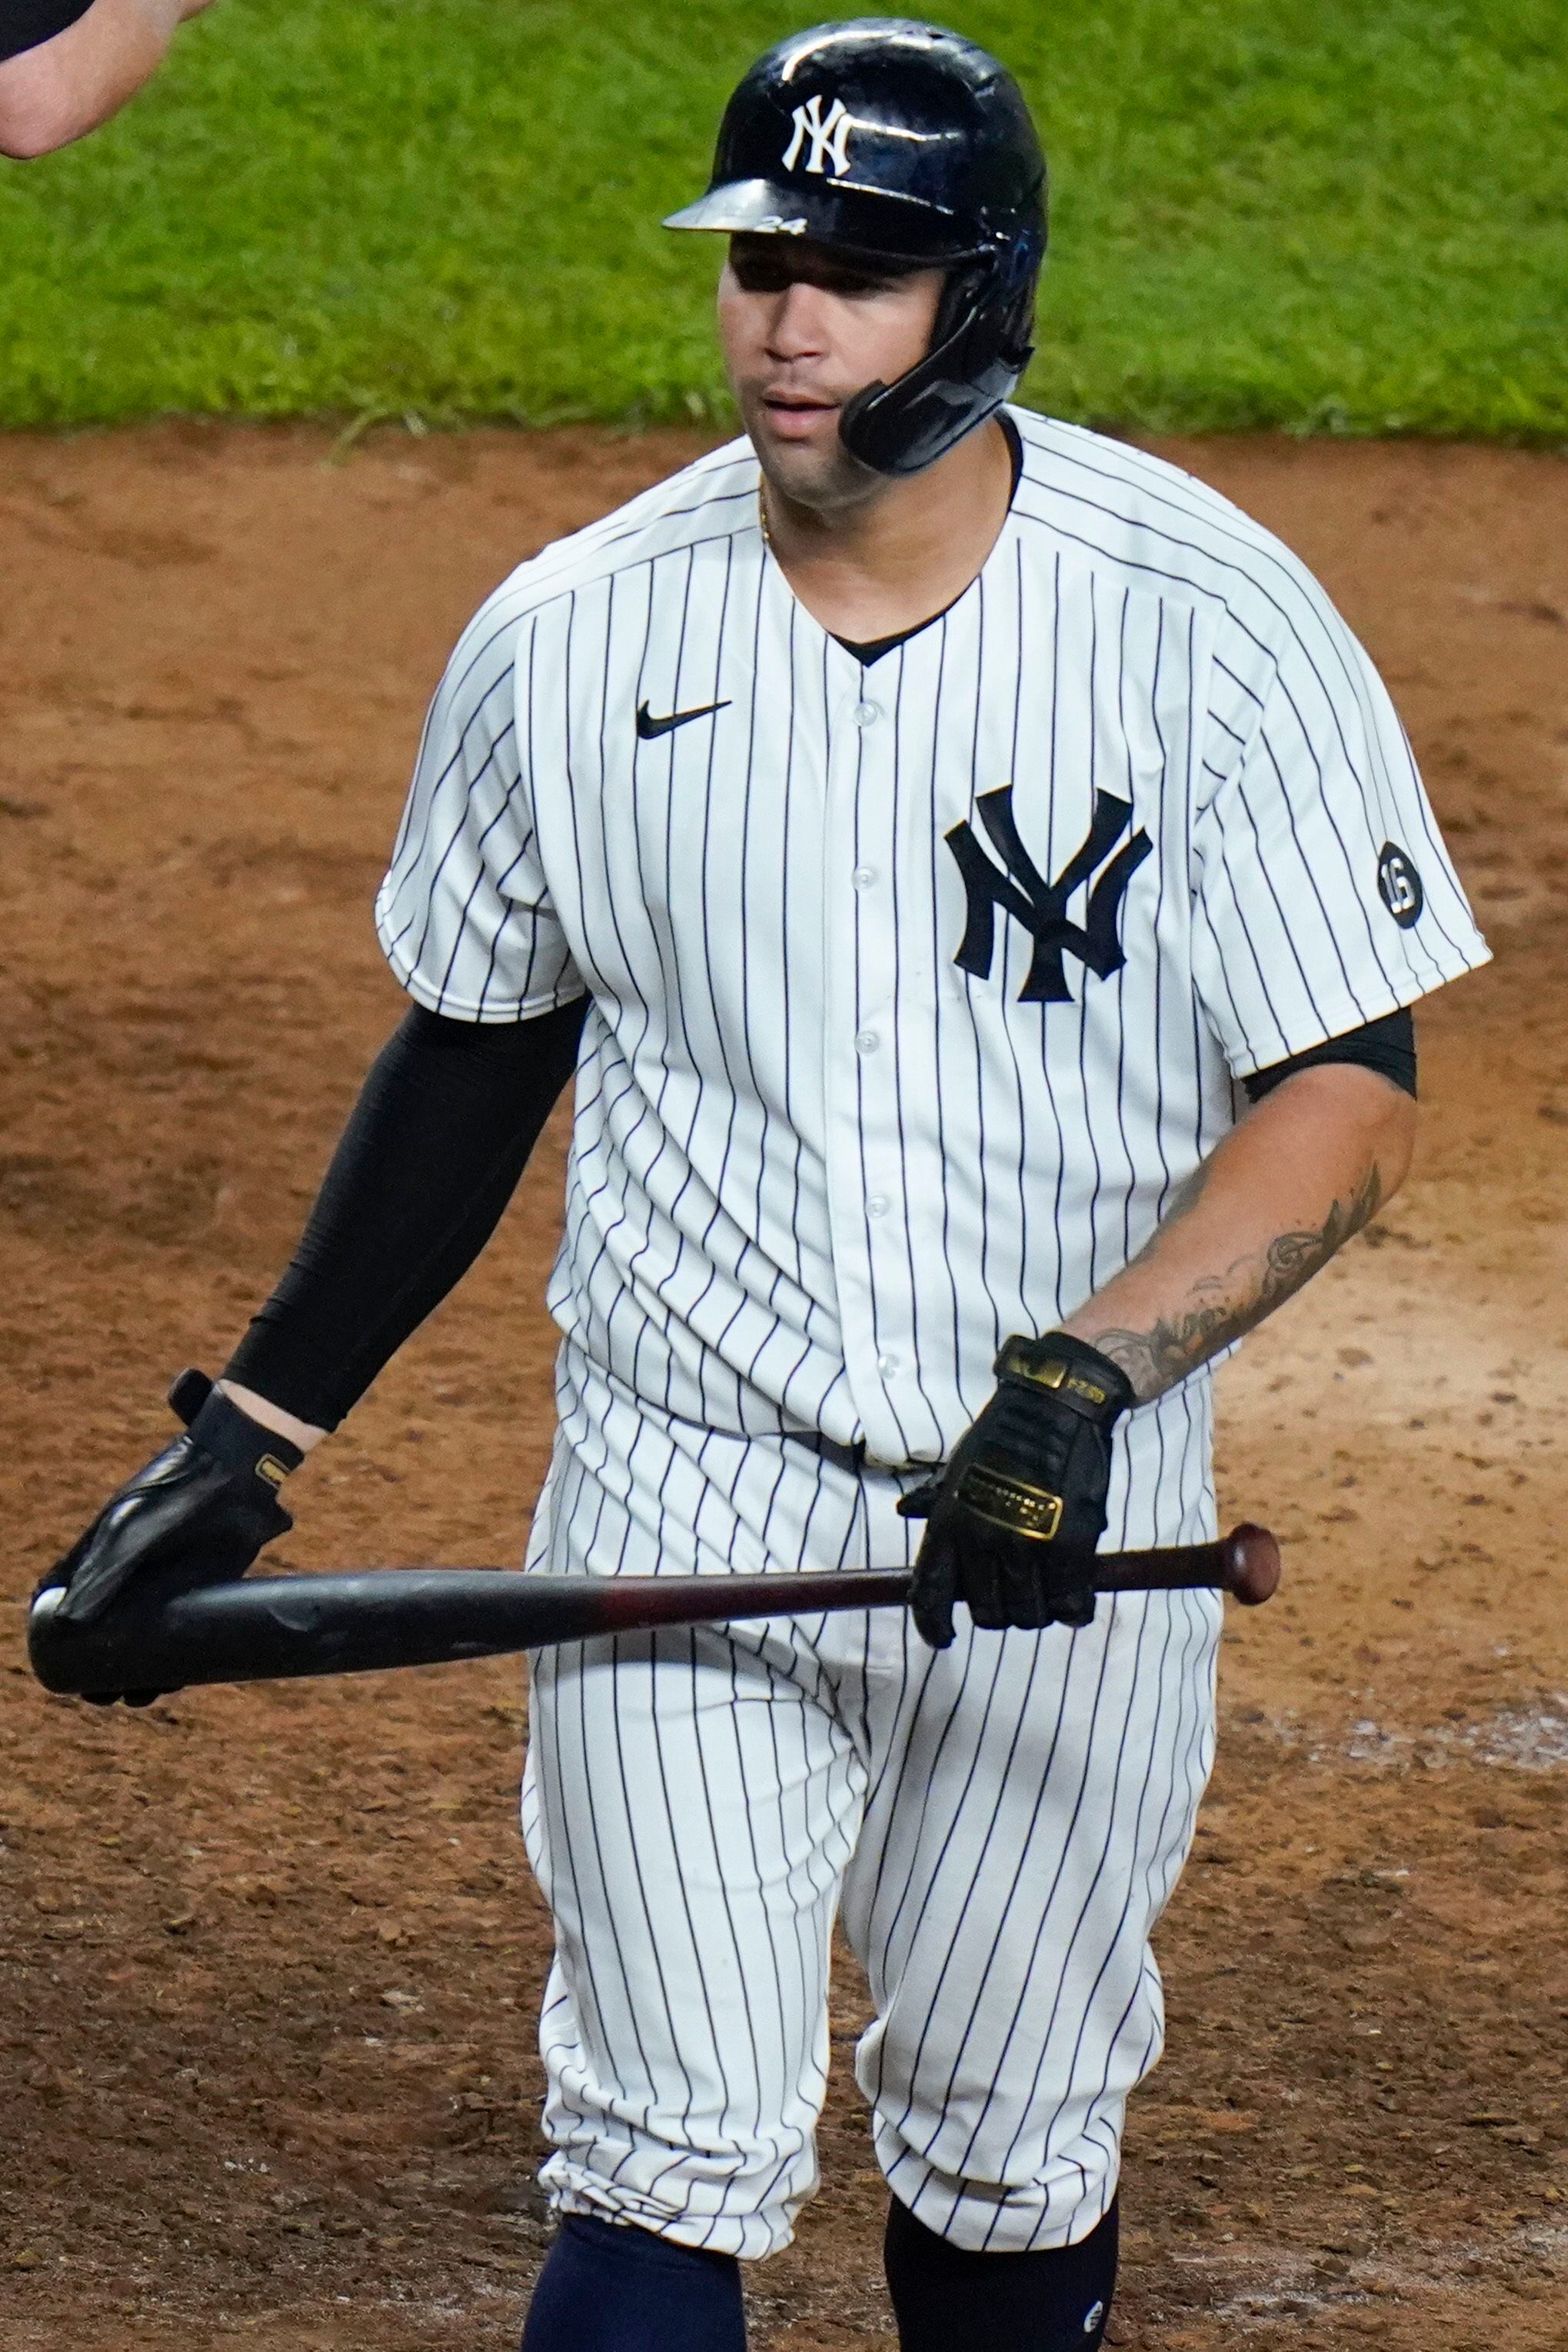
x,y
908,145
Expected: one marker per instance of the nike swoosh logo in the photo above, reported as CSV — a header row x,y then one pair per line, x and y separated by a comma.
x,y
648,727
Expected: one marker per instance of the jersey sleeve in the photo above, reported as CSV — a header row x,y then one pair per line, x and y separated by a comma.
x,y
463,914
28,23
1324,897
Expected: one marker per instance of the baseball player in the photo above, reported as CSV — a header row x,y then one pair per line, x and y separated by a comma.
x,y
979,885
66,66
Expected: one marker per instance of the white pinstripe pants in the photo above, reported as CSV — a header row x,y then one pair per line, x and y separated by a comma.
x,y
999,1825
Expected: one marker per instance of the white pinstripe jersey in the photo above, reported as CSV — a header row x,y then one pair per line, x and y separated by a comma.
x,y
915,988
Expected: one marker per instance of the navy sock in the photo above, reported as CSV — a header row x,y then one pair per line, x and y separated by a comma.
x,y
1056,2301
609,2287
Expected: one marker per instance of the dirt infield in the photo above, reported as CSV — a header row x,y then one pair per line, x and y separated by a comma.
x,y
268,1959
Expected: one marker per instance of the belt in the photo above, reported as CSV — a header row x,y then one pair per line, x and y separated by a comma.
x,y
855,1458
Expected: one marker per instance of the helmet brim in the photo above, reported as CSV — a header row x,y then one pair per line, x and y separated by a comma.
x,y
869,221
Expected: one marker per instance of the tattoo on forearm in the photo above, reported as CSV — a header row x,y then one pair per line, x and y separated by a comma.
x,y
1248,1289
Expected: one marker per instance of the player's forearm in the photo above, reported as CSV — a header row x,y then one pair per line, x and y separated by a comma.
x,y
430,1157
1303,1172
65,87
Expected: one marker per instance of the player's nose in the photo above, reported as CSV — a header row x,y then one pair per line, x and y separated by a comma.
x,y
796,328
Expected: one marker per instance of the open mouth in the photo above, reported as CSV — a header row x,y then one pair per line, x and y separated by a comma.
x,y
798,415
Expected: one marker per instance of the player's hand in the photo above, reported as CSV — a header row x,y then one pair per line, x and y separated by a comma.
x,y
197,1514
1015,1518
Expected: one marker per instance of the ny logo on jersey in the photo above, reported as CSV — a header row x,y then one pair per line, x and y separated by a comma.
x,y
1023,892
828,134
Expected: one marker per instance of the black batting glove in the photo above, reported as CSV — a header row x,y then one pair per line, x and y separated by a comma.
x,y
1014,1520
198,1514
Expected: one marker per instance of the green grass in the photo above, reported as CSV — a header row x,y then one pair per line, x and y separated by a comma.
x,y
1352,219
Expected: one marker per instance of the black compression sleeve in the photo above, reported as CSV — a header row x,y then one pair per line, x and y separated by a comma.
x,y
1387,1047
429,1160
28,23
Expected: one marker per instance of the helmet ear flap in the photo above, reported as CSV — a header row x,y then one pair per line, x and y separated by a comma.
x,y
964,283
979,348
1009,295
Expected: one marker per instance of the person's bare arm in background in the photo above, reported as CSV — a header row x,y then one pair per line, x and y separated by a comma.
x,y
79,65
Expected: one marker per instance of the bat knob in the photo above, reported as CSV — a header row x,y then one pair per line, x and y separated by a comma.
x,y
1252,1564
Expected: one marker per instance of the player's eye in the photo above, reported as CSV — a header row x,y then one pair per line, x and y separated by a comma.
x,y
764,273
755,277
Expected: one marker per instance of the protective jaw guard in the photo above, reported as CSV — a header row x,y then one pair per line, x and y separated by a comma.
x,y
978,351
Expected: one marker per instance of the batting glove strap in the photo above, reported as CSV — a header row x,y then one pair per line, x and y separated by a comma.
x,y
1070,1370
241,1444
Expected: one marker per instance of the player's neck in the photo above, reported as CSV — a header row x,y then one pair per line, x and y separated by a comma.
x,y
887,563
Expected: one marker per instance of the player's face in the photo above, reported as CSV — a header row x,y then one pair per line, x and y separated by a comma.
x,y
802,331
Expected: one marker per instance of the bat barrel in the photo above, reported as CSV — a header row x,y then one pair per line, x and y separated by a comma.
x,y
277,1628
267,1629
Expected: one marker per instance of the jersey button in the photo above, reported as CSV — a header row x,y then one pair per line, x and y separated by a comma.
x,y
867,713
887,1364
877,1205
866,1041
863,876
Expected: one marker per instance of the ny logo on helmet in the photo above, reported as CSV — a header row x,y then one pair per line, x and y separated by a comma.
x,y
1023,892
829,135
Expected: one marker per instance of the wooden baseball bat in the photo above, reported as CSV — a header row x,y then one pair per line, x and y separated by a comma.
x,y
263,1627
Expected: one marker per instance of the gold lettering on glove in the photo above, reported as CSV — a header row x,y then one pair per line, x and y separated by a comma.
x,y
1009,1503
1050,1372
